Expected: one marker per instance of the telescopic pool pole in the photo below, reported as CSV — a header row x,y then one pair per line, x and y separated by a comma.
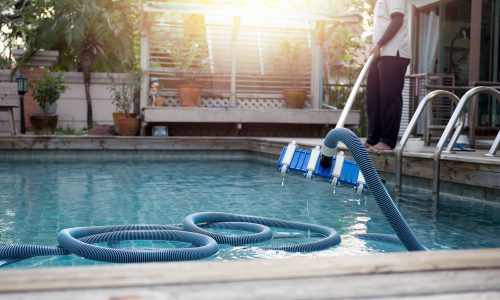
x,y
354,92
327,153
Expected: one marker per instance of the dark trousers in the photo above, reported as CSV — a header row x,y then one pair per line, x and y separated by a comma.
x,y
384,100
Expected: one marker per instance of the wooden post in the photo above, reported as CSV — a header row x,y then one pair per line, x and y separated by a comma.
x,y
317,68
145,40
234,35
474,64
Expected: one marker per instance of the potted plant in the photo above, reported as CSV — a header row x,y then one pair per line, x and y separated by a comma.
x,y
289,63
46,90
123,96
188,51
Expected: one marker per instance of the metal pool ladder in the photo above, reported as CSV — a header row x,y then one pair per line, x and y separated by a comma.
x,y
453,120
413,122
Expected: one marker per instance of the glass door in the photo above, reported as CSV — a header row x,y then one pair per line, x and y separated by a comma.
x,y
455,39
488,108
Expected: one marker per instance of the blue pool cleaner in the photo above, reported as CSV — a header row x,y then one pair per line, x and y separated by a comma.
x,y
326,162
307,162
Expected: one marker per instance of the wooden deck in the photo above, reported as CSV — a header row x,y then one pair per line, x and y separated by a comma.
x,y
467,274
227,121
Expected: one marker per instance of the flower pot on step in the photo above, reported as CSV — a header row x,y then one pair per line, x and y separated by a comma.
x,y
119,115
295,98
128,125
189,95
43,123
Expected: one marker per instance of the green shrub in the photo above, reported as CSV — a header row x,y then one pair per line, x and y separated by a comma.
x,y
47,90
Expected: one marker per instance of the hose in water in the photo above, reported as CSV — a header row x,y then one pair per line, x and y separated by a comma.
x,y
378,190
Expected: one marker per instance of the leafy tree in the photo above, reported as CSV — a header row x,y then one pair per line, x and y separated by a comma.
x,y
17,19
91,35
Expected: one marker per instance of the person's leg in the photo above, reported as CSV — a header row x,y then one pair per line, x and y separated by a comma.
x,y
373,108
392,72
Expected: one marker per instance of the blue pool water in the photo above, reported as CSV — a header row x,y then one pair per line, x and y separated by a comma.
x,y
39,199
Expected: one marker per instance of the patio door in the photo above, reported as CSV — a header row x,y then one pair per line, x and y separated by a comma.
x,y
488,108
455,40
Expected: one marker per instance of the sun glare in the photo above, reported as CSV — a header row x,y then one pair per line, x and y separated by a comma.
x,y
268,14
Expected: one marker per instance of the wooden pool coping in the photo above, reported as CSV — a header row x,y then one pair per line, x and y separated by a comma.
x,y
438,274
471,169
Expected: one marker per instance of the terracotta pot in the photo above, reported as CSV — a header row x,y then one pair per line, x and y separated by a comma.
x,y
295,98
44,123
160,101
119,115
189,95
129,125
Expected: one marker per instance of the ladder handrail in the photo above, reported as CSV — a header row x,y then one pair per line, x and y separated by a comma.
x,y
494,147
453,120
354,91
413,122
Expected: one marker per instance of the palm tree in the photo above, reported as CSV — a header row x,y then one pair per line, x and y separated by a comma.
x,y
93,35
16,20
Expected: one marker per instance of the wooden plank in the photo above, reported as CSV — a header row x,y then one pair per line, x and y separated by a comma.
x,y
430,285
214,272
236,115
123,143
140,293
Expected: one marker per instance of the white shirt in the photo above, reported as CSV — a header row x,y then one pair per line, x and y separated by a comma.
x,y
381,20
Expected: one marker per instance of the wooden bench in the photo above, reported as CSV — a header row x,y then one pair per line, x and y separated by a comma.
x,y
9,108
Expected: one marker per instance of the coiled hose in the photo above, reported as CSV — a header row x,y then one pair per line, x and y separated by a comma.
x,y
330,236
378,190
80,240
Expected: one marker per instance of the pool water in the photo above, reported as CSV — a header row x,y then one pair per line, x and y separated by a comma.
x,y
40,199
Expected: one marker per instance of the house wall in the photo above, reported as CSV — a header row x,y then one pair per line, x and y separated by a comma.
x,y
71,107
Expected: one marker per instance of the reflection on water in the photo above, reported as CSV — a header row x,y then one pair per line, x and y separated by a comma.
x,y
39,199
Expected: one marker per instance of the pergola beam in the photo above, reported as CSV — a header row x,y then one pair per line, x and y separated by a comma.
x,y
212,10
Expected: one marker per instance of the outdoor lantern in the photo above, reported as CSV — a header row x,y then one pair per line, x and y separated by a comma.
x,y
22,85
22,88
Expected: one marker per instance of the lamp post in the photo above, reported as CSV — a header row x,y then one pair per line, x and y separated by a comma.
x,y
22,88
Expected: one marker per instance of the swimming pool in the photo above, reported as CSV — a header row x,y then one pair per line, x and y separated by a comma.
x,y
41,198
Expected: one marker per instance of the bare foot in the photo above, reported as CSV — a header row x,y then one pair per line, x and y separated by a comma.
x,y
367,145
380,147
